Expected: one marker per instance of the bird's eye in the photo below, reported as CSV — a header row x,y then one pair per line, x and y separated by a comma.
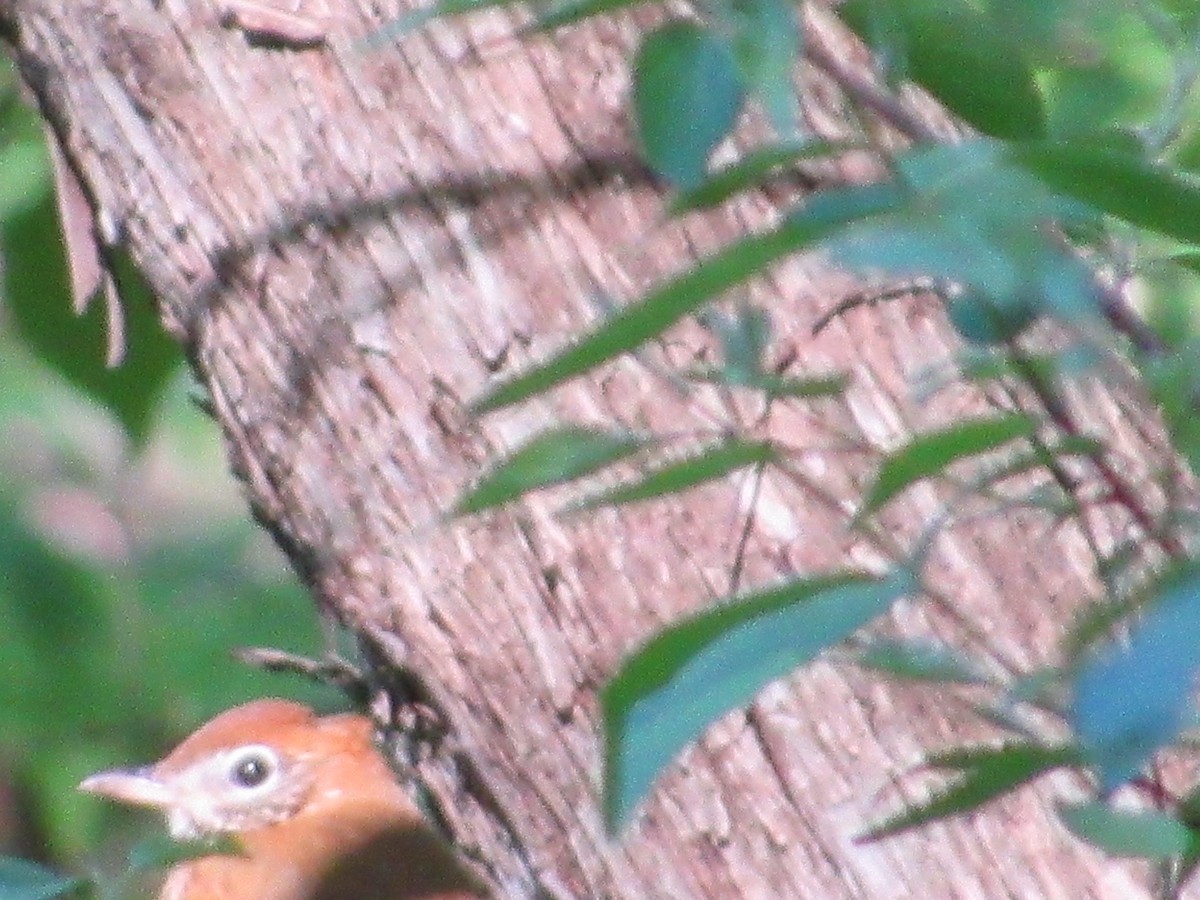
x,y
252,768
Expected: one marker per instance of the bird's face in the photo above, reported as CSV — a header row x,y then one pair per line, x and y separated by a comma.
x,y
230,790
253,766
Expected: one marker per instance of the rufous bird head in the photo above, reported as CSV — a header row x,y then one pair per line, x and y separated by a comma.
x,y
249,767
311,801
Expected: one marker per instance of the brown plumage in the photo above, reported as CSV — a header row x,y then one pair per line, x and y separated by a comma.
x,y
312,803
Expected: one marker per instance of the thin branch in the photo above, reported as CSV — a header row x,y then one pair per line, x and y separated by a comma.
x,y
871,298
1120,491
866,92
886,545
331,670
739,557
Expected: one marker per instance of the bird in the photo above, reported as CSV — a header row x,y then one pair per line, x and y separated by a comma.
x,y
315,810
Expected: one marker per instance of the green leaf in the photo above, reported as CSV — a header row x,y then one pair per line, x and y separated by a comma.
x,y
716,462
838,207
1173,381
916,661
929,454
688,675
1003,716
881,29
1095,622
24,880
552,457
687,93
774,385
988,772
744,338
979,319
1005,756
766,45
750,171
566,12
1040,456
1044,687
1188,811
417,18
1132,697
1123,185
985,366
1188,259
639,322
958,54
801,388
1167,291
966,219
1139,833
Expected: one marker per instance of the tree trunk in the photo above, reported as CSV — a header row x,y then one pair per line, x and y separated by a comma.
x,y
351,241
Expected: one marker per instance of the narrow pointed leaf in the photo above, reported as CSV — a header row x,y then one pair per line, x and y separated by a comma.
x,y
1132,698
1004,757
644,320
1121,184
750,171
1188,811
986,366
991,772
744,338
1039,457
1095,622
1148,833
555,15
714,463
1004,717
1044,687
916,660
967,221
687,676
801,388
417,18
775,385
552,457
24,880
929,454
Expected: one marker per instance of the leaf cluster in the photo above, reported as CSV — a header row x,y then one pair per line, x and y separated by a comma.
x,y
1062,201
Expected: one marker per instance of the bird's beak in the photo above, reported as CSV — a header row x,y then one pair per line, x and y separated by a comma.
x,y
138,787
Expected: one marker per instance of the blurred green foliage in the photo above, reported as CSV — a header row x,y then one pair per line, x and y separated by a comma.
x,y
128,567
37,279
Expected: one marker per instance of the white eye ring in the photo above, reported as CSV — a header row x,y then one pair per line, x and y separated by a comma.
x,y
252,767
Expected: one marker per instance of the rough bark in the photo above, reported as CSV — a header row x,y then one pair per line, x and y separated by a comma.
x,y
349,243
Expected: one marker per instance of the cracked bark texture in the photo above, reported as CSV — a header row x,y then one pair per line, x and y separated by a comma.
x,y
350,241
